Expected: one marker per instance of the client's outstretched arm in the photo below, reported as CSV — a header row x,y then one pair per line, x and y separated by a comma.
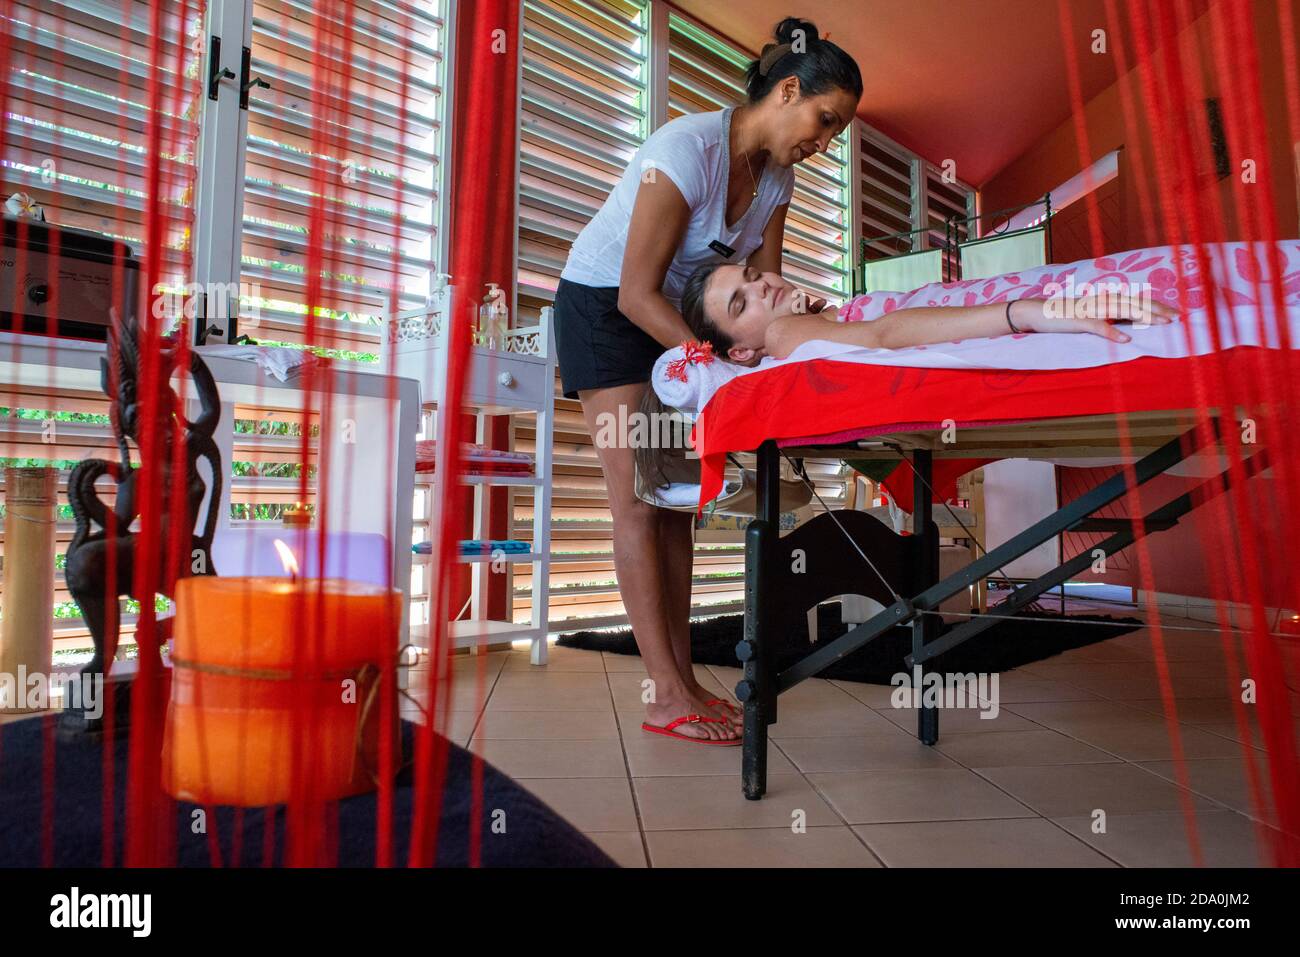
x,y
931,324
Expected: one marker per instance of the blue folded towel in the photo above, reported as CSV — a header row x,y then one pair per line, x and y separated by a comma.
x,y
474,546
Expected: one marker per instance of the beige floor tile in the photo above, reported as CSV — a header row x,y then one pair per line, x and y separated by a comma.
x,y
1161,839
1079,789
1105,651
1223,780
461,696
553,759
623,664
832,846
1219,713
1179,646
863,753
1015,688
460,699
493,660
1253,735
872,695
549,725
1195,710
1052,714
1017,748
1077,672
716,802
625,847
1025,842
1130,689
560,682
1200,668
1149,741
850,718
559,691
962,720
591,805
816,692
873,797
557,659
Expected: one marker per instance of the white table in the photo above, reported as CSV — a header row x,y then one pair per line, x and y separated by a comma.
x,y
360,452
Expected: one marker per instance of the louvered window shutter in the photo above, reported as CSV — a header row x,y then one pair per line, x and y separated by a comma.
x,y
381,164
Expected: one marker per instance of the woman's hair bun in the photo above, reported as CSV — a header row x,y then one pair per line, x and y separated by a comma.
x,y
786,31
799,50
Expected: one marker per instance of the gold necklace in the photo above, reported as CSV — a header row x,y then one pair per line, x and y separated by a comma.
x,y
750,170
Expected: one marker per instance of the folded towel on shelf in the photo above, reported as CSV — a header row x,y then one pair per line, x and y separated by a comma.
x,y
279,361
427,448
481,468
475,546
477,459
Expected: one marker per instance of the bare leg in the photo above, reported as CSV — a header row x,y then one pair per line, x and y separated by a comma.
x,y
676,551
637,565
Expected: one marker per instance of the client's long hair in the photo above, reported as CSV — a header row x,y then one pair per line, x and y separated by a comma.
x,y
649,458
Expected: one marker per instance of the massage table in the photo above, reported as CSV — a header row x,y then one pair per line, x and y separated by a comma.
x,y
1148,413
909,586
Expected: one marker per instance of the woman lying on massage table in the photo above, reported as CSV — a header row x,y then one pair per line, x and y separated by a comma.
x,y
746,315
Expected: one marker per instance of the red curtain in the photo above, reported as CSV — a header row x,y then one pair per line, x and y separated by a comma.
x,y
482,193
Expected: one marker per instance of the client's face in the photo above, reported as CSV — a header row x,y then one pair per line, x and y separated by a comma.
x,y
743,302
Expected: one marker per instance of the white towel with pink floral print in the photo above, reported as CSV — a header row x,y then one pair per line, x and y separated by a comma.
x,y
1240,279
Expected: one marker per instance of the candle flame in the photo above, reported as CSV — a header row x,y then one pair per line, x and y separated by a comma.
x,y
287,558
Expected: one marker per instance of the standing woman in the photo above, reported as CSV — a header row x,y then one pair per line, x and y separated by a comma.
x,y
712,187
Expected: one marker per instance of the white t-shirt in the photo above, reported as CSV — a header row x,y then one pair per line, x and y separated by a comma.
x,y
694,152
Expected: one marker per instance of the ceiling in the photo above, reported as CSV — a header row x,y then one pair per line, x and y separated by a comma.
x,y
976,81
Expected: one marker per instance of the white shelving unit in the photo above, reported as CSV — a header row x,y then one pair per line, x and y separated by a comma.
x,y
517,378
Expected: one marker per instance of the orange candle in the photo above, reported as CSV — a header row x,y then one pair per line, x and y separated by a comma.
x,y
260,661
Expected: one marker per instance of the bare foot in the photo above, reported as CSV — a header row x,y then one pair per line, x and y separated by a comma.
x,y
702,696
671,706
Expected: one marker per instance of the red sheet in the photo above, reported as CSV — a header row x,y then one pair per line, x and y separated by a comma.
x,y
825,401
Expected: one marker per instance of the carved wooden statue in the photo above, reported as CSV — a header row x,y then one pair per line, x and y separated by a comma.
x,y
103,541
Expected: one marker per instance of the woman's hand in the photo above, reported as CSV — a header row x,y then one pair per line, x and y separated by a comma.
x,y
1093,314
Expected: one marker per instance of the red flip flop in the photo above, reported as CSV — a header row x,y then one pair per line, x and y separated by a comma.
x,y
667,730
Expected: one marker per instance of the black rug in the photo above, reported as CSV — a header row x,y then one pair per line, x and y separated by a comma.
x,y
1006,645
535,836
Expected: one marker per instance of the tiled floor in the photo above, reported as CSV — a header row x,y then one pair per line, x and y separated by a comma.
x,y
1076,770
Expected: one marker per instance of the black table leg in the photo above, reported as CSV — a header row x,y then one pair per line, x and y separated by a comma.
x,y
757,690
925,627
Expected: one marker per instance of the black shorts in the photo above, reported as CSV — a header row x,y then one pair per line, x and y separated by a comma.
x,y
597,346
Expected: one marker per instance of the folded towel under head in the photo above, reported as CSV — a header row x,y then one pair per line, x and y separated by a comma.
x,y
684,377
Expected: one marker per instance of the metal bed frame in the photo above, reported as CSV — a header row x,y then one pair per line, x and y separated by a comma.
x,y
849,552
